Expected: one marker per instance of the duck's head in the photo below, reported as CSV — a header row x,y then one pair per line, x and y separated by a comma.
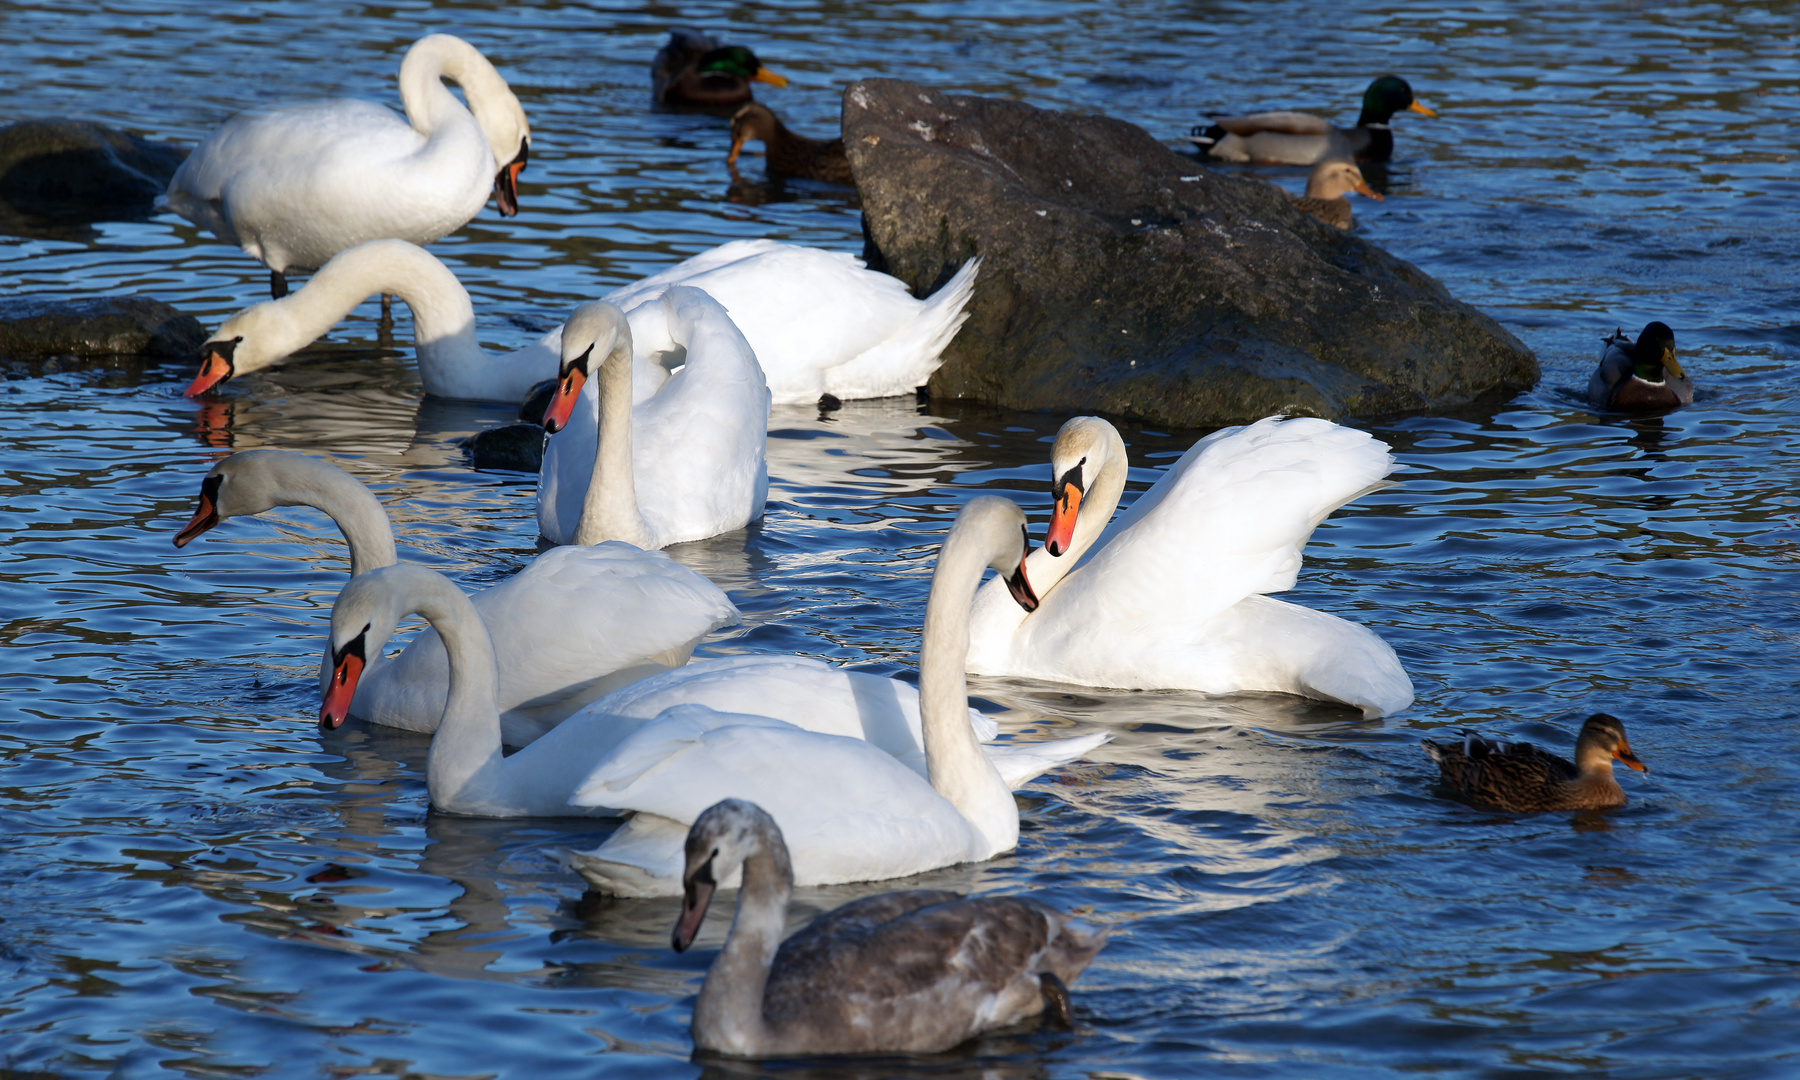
x,y
1386,96
363,618
1083,447
737,61
1654,353
242,344
1336,178
1603,741
721,839
751,123
594,331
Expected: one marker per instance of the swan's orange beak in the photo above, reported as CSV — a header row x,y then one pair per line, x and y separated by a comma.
x,y
1062,519
215,366
1017,583
568,392
206,513
1623,753
764,75
506,181
347,668
696,896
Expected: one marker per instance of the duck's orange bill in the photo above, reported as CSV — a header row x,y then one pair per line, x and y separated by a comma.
x,y
562,406
764,75
1418,108
206,512
215,368
1623,753
344,675
694,901
1062,519
737,146
1363,188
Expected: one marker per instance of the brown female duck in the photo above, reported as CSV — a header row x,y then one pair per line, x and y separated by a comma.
x,y
1325,190
788,153
1522,778
693,69
1642,376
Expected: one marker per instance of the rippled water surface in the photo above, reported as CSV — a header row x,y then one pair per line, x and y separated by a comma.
x,y
194,882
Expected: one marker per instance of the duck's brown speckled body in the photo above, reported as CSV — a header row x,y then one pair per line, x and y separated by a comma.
x,y
788,153
1524,778
1643,376
915,971
693,69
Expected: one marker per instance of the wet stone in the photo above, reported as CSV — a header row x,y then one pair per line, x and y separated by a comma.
x,y
34,326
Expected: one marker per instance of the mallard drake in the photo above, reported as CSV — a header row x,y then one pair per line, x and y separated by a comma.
x,y
788,153
1640,377
693,69
1325,190
1525,779
1292,138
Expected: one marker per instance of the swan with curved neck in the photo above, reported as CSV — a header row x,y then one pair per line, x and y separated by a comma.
x,y
687,462
1175,597
574,625
294,184
915,971
885,820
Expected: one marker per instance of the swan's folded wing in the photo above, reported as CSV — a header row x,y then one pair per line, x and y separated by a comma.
x,y
1283,123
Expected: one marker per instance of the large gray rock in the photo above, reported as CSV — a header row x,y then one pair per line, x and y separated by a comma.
x,y
96,326
1123,278
55,172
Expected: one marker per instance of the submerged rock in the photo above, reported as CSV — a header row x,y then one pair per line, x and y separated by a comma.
x,y
60,171
510,447
96,326
1123,278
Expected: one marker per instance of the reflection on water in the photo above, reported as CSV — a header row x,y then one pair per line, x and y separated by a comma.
x,y
197,883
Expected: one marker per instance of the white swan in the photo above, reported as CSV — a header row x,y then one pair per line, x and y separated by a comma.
x,y
572,626
686,463
916,971
820,322
295,184
850,811
1174,598
659,759
452,363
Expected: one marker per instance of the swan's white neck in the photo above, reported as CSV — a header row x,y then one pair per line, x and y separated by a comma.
x,y
958,769
610,509
728,1016
464,768
1097,506
429,103
278,478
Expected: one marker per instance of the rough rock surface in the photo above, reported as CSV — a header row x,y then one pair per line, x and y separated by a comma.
x,y
79,169
1123,278
96,326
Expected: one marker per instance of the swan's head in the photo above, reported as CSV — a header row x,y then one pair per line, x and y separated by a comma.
x,y
596,331
243,484
363,618
1336,178
718,843
1601,742
1083,447
1654,354
493,104
1001,525
247,342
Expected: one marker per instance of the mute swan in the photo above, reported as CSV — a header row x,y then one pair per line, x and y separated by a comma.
x,y
574,625
849,811
693,69
1640,377
1292,138
452,363
295,184
682,751
685,464
915,971
1525,779
1174,599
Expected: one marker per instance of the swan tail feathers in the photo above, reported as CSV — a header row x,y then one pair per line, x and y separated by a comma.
x,y
907,360
1021,763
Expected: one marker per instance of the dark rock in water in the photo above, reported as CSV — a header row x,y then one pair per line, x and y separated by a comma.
x,y
96,326
537,401
513,447
1123,278
62,171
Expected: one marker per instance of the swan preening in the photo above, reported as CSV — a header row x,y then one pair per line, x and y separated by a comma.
x,y
1175,596
294,184
852,809
914,971
573,625
817,321
685,463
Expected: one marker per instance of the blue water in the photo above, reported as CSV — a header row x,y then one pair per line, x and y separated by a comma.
x,y
196,883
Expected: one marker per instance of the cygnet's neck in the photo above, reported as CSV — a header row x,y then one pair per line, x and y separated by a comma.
x,y
728,1016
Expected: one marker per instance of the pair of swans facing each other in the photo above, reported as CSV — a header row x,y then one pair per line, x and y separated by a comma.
x,y
294,184
852,810
818,322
